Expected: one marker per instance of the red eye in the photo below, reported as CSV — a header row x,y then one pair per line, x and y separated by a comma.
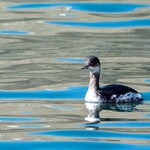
x,y
91,64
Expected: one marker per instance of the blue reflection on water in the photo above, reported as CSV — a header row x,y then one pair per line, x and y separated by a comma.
x,y
147,80
70,145
94,134
13,119
147,115
75,60
15,32
146,95
61,107
105,24
68,93
87,6
129,124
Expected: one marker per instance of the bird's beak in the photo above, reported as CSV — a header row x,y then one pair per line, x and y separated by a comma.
x,y
85,67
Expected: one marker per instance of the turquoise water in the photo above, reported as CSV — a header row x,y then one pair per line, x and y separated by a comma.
x,y
74,60
42,88
13,32
147,80
129,124
71,145
94,134
10,119
106,24
69,93
97,7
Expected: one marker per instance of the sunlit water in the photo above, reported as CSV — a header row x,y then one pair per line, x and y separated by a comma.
x,y
43,46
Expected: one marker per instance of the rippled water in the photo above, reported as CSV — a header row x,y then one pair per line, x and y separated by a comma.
x,y
43,46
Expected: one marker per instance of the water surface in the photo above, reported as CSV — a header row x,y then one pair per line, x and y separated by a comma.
x,y
42,88
97,7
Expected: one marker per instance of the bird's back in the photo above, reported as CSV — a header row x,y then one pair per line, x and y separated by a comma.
x,y
119,93
116,89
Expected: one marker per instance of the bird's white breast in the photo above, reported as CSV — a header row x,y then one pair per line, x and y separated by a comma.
x,y
91,96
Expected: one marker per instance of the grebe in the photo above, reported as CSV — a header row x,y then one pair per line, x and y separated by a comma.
x,y
114,93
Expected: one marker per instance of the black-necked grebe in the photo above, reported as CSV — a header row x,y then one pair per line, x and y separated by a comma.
x,y
114,93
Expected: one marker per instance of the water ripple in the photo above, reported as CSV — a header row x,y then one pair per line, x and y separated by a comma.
x,y
74,60
65,145
94,134
147,80
68,93
14,32
105,24
147,115
133,124
14,119
85,6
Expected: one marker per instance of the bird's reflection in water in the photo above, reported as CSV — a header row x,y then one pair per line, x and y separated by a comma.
x,y
94,109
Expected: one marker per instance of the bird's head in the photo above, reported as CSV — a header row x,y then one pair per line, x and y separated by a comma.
x,y
92,63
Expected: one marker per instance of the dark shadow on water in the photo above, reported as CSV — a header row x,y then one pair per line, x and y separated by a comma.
x,y
116,123
94,109
70,145
123,107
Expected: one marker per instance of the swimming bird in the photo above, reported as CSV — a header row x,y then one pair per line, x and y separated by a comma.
x,y
114,93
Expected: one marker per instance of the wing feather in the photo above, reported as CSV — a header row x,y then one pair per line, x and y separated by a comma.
x,y
115,89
